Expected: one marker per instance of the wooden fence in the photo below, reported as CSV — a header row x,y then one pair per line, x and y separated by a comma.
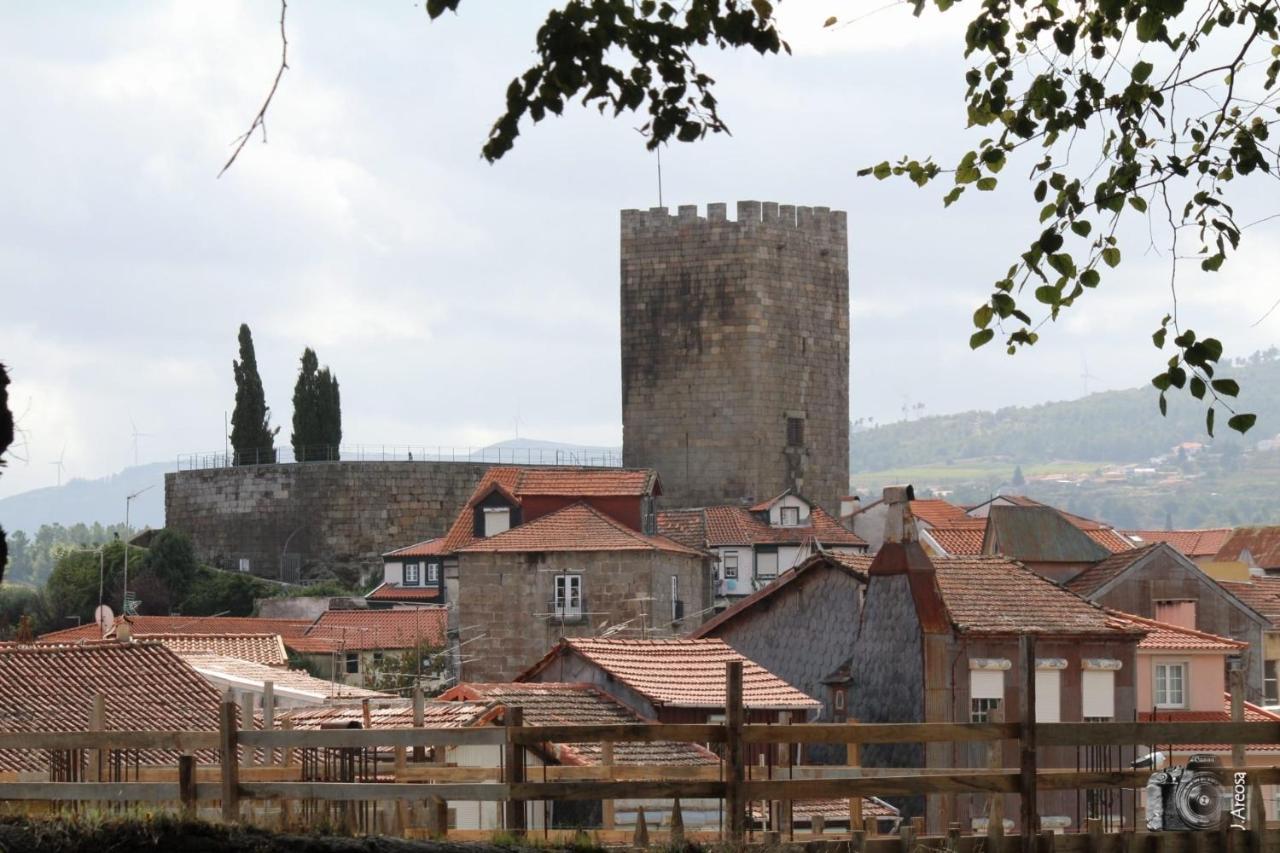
x,y
408,785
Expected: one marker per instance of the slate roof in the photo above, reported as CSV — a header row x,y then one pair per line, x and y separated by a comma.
x,y
394,592
372,630
996,595
146,687
569,704
783,581
1161,636
1260,594
577,527
1191,543
1100,574
1252,714
1039,534
681,673
1262,543
1103,534
144,625
282,678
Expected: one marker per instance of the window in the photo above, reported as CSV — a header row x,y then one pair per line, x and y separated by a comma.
x,y
377,657
677,607
986,690
353,662
1171,680
1048,696
730,563
244,564
496,520
980,710
795,432
433,573
411,575
767,564
568,601
1270,686
790,516
1099,700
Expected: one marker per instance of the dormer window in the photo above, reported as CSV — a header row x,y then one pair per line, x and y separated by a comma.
x,y
496,520
790,516
411,574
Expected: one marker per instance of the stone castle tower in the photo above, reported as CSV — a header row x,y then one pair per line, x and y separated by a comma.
x,y
735,352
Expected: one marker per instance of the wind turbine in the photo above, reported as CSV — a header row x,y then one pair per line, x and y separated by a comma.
x,y
59,464
136,435
1086,375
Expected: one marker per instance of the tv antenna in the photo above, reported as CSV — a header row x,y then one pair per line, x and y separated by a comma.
x,y
136,435
59,464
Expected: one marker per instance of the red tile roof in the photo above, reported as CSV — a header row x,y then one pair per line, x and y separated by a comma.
x,y
1109,538
429,548
283,679
686,526
146,625
372,630
681,673
1162,636
568,704
577,527
146,687
1192,543
1252,714
1260,594
833,811
959,539
996,595
1103,572
394,592
936,512
265,649
735,525
1262,543
783,581
436,715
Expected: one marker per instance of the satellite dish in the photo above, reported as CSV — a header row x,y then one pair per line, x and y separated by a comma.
x,y
104,617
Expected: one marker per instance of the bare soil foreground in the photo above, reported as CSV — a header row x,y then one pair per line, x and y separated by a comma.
x,y
168,835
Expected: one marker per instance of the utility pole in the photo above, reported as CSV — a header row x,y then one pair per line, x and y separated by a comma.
x,y
124,603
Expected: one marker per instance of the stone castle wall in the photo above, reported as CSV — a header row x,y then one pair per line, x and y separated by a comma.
x,y
341,515
729,328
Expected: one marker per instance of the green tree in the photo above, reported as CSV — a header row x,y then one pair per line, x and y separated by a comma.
x,y
19,565
171,561
252,438
1018,479
317,415
19,601
6,438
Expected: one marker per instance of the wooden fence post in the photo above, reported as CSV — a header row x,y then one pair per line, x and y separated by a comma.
x,y
853,758
230,761
607,816
419,713
1257,819
97,723
246,722
735,771
1027,780
513,718
1237,712
269,714
784,763
187,785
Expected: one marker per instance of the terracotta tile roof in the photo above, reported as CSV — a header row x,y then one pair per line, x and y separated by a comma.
x,y
265,649
429,548
394,592
812,564
146,687
567,704
1163,636
145,625
577,527
767,504
372,630
857,562
1262,543
1192,543
735,525
1103,572
1260,594
1109,538
681,673
686,526
959,540
285,680
833,811
1252,714
996,595
936,512
436,714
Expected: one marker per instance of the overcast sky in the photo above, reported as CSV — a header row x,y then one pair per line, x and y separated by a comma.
x,y
450,296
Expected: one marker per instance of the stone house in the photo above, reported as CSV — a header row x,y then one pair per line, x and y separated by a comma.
x,y
1157,582
410,576
754,545
802,628
384,649
1262,595
939,641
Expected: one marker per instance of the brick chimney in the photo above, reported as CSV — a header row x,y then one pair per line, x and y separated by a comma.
x,y
901,554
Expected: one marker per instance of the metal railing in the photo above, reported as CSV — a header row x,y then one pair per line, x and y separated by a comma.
x,y
594,457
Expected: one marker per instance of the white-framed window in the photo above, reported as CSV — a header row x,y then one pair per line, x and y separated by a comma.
x,y
244,564
497,519
980,710
1048,696
1099,695
1171,684
730,563
1270,685
433,573
353,662
412,577
790,516
568,597
986,692
766,564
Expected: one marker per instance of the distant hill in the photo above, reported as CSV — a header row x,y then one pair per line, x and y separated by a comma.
x,y
87,501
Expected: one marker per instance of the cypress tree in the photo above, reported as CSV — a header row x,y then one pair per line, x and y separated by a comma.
x,y
317,415
252,438
6,438
330,410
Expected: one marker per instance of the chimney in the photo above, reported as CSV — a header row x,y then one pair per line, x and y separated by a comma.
x,y
901,554
124,631
899,523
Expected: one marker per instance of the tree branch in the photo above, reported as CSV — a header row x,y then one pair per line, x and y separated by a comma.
x,y
260,120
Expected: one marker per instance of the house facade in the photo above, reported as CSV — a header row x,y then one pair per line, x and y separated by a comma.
x,y
410,576
753,546
376,649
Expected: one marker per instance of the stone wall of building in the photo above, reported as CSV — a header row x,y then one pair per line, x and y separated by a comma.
x,y
335,516
728,329
504,602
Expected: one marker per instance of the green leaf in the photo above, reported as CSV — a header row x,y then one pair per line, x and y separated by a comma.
x,y
1198,387
1159,336
1164,405
950,198
1208,421
1213,348
983,316
1226,387
882,170
1138,203
1111,256
1242,423
830,22
978,339
1090,278
1047,293
986,185
1142,71
1082,227
1213,263
1050,241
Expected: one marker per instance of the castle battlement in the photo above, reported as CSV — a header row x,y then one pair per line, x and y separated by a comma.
x,y
749,214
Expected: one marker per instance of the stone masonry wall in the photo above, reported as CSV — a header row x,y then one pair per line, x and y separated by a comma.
x,y
728,327
341,515
504,600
